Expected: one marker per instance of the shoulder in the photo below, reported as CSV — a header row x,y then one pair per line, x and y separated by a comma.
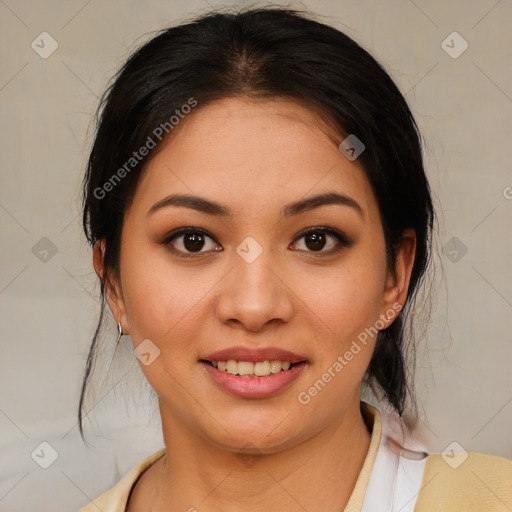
x,y
116,498
465,481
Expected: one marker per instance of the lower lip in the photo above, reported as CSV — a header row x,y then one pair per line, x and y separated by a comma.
x,y
254,387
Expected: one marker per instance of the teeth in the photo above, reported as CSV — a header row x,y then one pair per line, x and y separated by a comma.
x,y
245,368
249,369
275,366
262,368
232,367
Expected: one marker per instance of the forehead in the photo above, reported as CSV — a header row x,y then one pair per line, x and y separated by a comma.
x,y
252,152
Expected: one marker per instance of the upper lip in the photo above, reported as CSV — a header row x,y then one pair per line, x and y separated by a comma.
x,y
254,355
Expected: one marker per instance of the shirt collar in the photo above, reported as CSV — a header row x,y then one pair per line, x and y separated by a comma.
x,y
372,418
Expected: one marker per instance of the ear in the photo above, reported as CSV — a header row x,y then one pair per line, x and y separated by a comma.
x,y
397,284
113,289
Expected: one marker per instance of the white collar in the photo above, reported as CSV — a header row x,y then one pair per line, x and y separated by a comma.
x,y
397,472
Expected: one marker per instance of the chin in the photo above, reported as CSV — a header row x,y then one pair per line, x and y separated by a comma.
x,y
255,441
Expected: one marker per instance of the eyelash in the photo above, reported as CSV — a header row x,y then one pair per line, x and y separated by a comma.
x,y
343,240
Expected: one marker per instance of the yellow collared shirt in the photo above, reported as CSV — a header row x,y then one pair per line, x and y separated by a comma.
x,y
390,480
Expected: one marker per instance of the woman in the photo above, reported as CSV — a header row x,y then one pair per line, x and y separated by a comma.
x,y
261,223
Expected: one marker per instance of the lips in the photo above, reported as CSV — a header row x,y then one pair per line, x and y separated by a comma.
x,y
255,387
254,355
252,386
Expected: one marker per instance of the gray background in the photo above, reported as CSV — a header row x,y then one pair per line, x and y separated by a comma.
x,y
49,301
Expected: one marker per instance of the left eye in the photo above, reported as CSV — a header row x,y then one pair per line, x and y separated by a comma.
x,y
316,240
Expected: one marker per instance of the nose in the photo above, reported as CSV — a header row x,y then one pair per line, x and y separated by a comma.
x,y
254,296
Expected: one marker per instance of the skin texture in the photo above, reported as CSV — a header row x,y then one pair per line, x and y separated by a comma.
x,y
254,157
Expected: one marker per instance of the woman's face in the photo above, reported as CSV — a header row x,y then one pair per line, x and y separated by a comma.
x,y
248,277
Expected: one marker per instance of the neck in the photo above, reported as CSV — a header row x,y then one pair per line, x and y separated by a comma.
x,y
316,475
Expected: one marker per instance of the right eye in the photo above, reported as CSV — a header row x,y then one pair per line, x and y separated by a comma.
x,y
188,242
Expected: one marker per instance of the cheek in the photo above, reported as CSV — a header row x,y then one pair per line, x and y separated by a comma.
x,y
163,309
161,299
346,299
167,306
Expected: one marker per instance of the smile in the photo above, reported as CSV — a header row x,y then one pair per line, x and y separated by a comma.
x,y
246,379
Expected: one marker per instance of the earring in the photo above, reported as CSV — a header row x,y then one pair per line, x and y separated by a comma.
x,y
120,331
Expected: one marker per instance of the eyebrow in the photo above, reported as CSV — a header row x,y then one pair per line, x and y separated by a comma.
x,y
212,208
